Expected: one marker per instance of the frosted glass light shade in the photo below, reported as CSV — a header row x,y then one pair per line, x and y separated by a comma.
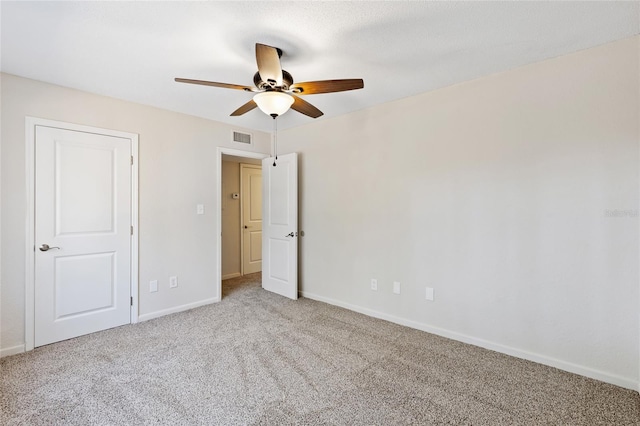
x,y
273,102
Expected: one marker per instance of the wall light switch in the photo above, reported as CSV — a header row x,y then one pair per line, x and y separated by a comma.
x,y
200,209
396,287
429,293
374,284
153,286
173,282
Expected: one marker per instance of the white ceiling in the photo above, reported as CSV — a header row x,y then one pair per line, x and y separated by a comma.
x,y
133,50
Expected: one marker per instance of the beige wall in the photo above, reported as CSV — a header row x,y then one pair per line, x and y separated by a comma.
x,y
230,219
497,194
177,171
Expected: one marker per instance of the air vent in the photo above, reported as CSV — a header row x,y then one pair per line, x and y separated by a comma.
x,y
242,137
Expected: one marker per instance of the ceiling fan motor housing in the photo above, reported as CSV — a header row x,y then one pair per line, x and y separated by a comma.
x,y
287,81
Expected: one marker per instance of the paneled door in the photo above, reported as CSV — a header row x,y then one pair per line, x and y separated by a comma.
x,y
82,233
280,225
251,184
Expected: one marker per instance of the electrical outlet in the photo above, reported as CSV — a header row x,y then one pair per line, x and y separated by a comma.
x,y
200,209
374,284
153,286
173,282
396,287
429,293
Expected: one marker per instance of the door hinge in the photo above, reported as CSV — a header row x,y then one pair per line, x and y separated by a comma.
x,y
131,229
131,300
132,160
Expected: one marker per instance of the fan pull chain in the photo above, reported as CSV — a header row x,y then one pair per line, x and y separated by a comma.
x,y
275,138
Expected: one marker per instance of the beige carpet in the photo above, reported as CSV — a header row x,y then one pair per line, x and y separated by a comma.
x,y
257,358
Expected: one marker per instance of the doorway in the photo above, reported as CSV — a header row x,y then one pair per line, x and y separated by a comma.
x,y
241,216
233,238
280,222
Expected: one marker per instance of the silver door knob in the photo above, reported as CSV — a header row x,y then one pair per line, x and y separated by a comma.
x,y
45,247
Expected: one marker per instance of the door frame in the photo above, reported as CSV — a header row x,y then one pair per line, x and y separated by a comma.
x,y
30,139
219,152
248,166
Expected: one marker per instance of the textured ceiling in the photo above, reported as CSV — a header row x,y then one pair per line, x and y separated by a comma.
x,y
133,50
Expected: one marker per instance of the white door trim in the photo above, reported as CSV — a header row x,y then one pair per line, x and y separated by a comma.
x,y
219,152
30,125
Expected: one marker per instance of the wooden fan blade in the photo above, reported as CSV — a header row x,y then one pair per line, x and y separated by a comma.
x,y
305,107
215,84
269,64
244,108
327,86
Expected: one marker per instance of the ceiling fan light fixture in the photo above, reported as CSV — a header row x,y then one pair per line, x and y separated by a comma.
x,y
273,103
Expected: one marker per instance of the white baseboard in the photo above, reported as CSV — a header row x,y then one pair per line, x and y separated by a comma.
x,y
508,350
11,351
229,276
158,314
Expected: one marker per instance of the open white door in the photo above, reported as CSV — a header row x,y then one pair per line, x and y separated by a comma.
x,y
280,225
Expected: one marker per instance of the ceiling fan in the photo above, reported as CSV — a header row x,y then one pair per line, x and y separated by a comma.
x,y
275,90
